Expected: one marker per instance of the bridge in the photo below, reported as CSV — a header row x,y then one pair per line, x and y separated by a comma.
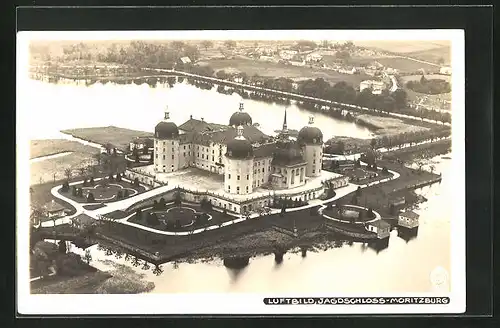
x,y
295,96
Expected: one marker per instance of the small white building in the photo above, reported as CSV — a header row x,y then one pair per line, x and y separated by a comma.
x,y
347,70
313,57
445,70
185,60
288,54
267,58
297,63
141,143
408,219
380,227
54,210
376,86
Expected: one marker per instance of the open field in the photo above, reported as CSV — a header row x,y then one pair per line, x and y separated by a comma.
x,y
402,46
389,125
432,55
262,68
401,64
53,168
118,137
39,148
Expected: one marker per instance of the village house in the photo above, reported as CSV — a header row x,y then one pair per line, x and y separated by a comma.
x,y
267,58
288,54
313,57
380,227
350,71
185,60
408,219
297,63
140,143
376,86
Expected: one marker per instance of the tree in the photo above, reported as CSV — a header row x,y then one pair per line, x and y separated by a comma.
x,y
65,186
138,214
67,173
125,193
90,197
373,143
358,191
136,182
207,44
82,170
62,247
178,198
87,256
230,44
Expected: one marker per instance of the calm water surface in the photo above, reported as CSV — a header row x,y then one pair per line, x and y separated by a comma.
x,y
402,267
68,105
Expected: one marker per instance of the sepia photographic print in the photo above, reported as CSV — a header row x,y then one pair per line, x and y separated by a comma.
x,y
242,172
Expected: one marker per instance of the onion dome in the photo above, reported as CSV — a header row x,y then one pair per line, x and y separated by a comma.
x,y
240,118
310,134
166,129
239,147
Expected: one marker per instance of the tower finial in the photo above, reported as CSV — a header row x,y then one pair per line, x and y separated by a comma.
x,y
167,113
311,120
285,127
241,106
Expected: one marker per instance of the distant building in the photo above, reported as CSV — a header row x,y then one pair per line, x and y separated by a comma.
x,y
445,70
141,143
288,54
375,65
347,70
380,227
408,219
54,210
267,58
376,86
185,60
313,57
297,63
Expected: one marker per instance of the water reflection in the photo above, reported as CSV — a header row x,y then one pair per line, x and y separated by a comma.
x,y
407,234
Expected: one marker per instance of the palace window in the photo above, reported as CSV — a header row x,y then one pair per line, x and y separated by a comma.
x,y
213,158
184,146
163,149
229,176
213,151
157,149
184,154
163,143
238,178
314,171
248,177
254,172
163,156
247,189
172,156
262,180
156,155
237,190
297,172
314,161
172,143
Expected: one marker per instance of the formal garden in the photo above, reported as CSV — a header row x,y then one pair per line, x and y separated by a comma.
x,y
179,215
109,189
361,174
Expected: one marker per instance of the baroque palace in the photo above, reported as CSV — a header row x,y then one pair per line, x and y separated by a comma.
x,y
251,163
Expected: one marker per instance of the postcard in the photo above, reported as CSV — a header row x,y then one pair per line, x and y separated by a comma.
x,y
241,172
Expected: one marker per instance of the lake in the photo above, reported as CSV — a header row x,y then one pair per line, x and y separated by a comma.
x,y
69,104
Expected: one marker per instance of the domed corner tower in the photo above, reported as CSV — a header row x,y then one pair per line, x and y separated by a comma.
x,y
166,146
310,138
240,118
238,175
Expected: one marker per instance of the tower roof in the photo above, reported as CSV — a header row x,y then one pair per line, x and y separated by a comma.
x,y
166,129
310,134
239,147
240,117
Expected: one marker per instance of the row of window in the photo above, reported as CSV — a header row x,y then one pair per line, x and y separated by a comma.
x,y
237,189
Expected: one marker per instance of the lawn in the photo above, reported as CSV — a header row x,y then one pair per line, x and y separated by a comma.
x,y
103,193
432,55
183,218
363,174
401,64
118,137
252,67
389,125
52,169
